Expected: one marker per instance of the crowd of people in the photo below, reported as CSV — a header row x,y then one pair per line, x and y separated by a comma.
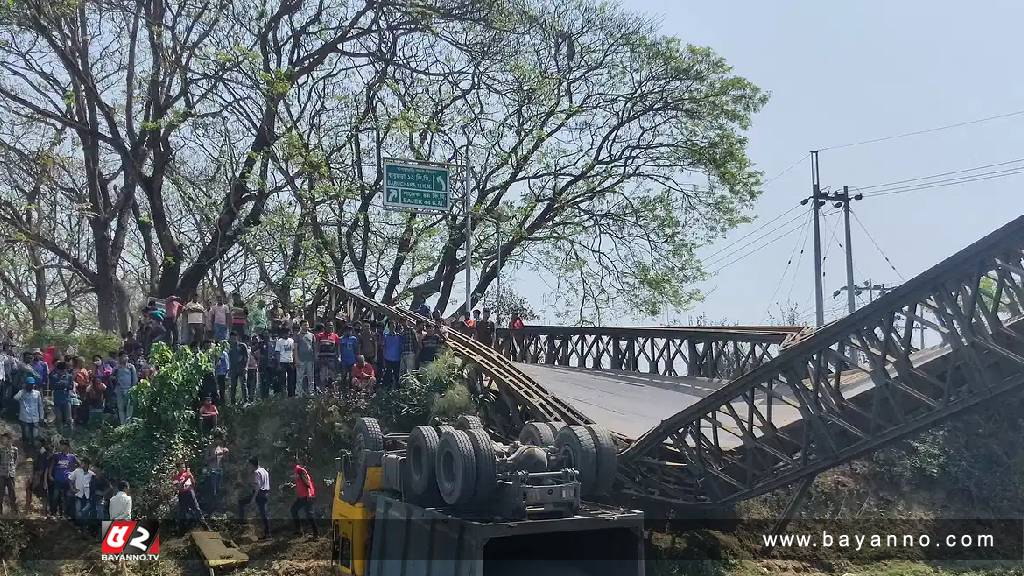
x,y
255,354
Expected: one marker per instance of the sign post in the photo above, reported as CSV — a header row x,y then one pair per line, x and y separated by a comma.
x,y
416,187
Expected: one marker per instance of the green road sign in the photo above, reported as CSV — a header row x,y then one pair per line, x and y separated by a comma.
x,y
416,187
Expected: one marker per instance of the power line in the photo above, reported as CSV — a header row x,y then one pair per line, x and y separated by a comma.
x,y
944,179
800,243
756,250
877,247
711,257
738,249
785,170
949,182
925,131
931,176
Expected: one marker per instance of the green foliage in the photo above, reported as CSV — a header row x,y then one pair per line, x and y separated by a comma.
x,y
93,343
975,461
87,344
164,430
434,387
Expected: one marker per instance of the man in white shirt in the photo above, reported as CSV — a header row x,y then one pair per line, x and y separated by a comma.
x,y
260,493
80,481
120,506
286,359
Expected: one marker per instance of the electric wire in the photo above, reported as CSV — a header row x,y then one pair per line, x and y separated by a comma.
x,y
800,242
712,257
877,246
925,131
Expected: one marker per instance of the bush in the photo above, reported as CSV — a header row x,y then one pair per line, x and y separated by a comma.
x,y
86,345
435,390
165,429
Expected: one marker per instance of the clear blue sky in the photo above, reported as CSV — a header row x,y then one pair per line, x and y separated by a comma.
x,y
849,71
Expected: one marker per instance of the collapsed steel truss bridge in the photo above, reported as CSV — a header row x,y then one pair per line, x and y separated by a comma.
x,y
790,402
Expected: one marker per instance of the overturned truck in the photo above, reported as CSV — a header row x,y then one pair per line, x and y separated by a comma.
x,y
451,500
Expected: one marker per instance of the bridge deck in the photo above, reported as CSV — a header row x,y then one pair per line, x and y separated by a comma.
x,y
632,403
629,403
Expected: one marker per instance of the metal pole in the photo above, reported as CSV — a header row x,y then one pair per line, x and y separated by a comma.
x,y
819,304
469,236
851,294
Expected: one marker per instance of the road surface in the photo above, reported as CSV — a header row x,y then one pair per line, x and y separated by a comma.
x,y
632,403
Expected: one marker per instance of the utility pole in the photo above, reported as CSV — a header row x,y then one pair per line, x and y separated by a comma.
x,y
851,298
842,200
819,305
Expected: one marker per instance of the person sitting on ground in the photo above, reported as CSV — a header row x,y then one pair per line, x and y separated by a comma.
x,y
209,413
363,376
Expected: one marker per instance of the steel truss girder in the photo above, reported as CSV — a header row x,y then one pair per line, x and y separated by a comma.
x,y
509,397
849,388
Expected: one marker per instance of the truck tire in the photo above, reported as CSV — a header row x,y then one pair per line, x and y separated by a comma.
x,y
486,465
421,454
538,434
576,447
367,435
467,423
607,459
455,467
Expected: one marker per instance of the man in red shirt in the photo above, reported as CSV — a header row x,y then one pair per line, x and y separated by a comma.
x,y
363,376
305,493
188,504
326,356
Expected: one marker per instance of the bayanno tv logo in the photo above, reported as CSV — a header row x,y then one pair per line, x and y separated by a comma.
x,y
131,540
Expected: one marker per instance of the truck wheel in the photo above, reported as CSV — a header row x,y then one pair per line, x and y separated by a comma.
x,y
467,423
607,459
538,434
420,456
456,467
486,473
368,436
576,447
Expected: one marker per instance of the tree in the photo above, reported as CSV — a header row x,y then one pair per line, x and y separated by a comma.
x,y
139,95
186,142
614,151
